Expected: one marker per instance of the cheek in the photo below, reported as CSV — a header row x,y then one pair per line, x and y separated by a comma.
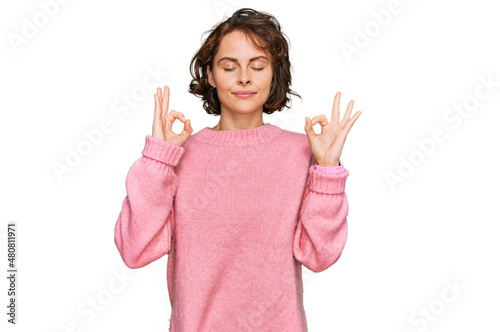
x,y
267,82
224,81
269,79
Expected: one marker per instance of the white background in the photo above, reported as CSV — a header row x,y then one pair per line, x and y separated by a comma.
x,y
406,239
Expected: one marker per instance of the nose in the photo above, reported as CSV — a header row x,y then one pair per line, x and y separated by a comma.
x,y
244,77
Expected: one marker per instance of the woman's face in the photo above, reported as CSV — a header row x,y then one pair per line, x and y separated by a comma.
x,y
240,66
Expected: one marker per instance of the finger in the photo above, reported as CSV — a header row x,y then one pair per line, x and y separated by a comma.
x,y
170,119
308,128
160,98
166,99
347,115
181,116
350,123
172,115
321,119
187,130
336,109
157,109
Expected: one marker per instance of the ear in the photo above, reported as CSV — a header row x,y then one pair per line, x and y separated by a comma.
x,y
211,79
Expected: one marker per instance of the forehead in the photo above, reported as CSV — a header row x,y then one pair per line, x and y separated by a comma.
x,y
239,45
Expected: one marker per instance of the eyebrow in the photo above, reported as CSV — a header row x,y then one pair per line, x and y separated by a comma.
x,y
234,60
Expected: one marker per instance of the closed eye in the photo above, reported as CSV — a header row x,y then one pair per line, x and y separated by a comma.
x,y
231,69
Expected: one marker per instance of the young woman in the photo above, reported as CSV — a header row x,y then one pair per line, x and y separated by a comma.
x,y
239,207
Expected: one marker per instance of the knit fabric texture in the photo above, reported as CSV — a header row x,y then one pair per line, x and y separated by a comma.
x,y
238,212
330,169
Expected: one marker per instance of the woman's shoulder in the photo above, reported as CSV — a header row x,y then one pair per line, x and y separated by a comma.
x,y
294,136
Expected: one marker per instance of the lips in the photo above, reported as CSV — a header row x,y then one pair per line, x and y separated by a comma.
x,y
244,93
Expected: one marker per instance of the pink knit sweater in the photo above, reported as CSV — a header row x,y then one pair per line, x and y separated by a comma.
x,y
238,212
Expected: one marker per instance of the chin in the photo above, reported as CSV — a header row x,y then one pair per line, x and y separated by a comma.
x,y
244,110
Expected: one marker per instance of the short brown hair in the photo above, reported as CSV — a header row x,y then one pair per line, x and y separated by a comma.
x,y
256,25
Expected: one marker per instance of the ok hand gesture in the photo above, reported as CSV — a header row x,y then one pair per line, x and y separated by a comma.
x,y
327,146
163,120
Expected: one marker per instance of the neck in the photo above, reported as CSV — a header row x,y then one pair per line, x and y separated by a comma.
x,y
233,126
238,137
238,121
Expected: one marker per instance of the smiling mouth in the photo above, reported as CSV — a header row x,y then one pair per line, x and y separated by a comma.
x,y
244,94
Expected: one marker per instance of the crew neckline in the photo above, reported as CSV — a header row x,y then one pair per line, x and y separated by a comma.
x,y
240,137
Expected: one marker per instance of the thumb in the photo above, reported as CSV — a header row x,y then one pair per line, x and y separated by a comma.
x,y
309,129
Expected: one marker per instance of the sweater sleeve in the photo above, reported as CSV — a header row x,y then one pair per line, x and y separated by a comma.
x,y
145,224
321,231
330,169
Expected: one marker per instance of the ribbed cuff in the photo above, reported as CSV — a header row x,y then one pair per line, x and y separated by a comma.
x,y
327,183
163,151
329,169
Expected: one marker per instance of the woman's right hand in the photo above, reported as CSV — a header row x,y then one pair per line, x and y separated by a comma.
x,y
163,120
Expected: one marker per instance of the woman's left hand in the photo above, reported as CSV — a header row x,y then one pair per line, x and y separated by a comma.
x,y
327,146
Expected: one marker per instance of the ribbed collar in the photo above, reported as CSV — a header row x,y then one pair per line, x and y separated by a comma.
x,y
242,137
